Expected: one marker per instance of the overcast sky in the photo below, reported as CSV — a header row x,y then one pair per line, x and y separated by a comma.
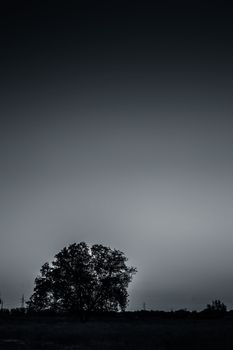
x,y
116,128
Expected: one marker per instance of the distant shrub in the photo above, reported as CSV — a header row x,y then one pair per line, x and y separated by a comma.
x,y
4,312
19,311
215,309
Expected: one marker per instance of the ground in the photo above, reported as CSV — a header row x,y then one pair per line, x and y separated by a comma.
x,y
71,334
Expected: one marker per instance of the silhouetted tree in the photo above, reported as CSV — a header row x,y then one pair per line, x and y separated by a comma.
x,y
217,307
83,278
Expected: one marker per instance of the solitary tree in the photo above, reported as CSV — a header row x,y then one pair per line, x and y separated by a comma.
x,y
83,278
216,307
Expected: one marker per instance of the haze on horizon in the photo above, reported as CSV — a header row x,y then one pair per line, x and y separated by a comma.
x,y
116,128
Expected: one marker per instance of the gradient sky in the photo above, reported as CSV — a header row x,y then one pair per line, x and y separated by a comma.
x,y
116,128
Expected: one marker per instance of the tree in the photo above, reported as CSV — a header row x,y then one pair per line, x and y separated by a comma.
x,y
83,278
216,307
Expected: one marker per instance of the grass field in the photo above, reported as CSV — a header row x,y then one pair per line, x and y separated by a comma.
x,y
61,333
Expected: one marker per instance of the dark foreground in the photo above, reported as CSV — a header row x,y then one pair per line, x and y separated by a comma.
x,y
64,333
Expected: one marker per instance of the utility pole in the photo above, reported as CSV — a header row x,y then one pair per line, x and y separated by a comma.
x,y
22,302
144,306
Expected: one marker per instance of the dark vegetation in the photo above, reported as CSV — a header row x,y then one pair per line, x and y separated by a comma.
x,y
117,330
79,302
81,279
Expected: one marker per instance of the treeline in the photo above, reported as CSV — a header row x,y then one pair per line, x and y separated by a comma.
x,y
216,309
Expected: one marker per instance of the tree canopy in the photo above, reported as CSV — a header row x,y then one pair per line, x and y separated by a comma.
x,y
216,307
83,278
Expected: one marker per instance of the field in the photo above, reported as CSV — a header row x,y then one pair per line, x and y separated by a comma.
x,y
65,334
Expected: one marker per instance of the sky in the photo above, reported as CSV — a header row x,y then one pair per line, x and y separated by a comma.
x,y
116,128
